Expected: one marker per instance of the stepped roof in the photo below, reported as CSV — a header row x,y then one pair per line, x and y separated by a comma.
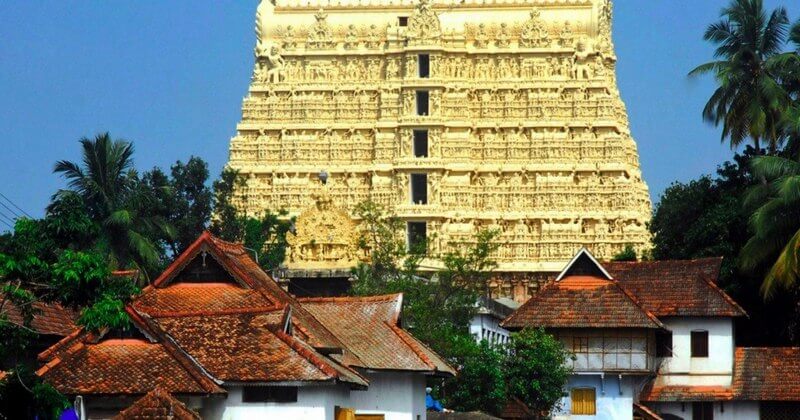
x,y
214,317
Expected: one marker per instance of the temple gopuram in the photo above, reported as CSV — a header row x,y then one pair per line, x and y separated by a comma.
x,y
456,116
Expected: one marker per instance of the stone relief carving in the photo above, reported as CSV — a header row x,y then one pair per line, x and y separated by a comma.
x,y
534,33
320,36
534,143
325,237
423,25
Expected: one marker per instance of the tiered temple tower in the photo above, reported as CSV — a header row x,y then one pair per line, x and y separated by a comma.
x,y
456,115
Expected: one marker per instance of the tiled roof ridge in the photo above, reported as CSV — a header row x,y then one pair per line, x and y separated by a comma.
x,y
70,351
60,344
673,260
212,313
214,249
725,296
647,411
413,346
187,362
638,304
374,298
309,355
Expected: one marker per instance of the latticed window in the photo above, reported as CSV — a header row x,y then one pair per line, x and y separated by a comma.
x,y
580,344
583,401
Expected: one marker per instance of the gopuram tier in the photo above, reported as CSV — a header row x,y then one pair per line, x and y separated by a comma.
x,y
455,116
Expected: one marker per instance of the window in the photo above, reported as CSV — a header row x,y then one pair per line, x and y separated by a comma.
x,y
419,188
664,344
422,102
702,410
417,234
402,21
583,401
580,344
420,143
699,343
282,394
424,66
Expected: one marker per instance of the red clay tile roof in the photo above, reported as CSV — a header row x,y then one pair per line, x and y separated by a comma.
x,y
645,413
121,366
767,373
48,318
157,404
243,348
760,374
582,302
199,298
516,409
236,332
676,288
368,328
655,393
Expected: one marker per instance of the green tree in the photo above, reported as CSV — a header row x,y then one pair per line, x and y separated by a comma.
x,y
536,370
775,223
627,254
436,309
481,381
749,100
110,189
266,234
705,217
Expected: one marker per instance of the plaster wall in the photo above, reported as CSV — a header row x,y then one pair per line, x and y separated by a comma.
x,y
313,403
396,395
487,327
731,410
682,369
614,397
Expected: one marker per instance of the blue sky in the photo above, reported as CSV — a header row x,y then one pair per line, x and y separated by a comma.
x,y
170,76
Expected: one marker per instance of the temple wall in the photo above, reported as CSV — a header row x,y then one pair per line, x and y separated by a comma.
x,y
524,128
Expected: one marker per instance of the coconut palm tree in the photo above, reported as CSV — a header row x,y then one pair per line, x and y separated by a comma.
x,y
748,99
111,191
775,223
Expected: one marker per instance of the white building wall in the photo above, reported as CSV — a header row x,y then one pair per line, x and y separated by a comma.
x,y
396,395
730,410
313,403
614,397
682,369
487,327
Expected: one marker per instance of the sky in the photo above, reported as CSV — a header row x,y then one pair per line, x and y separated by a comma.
x,y
170,76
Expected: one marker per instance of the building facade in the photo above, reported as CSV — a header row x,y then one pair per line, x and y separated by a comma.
x,y
219,335
455,116
655,340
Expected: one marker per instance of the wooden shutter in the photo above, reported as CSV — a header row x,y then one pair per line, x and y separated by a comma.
x,y
583,401
699,343
664,344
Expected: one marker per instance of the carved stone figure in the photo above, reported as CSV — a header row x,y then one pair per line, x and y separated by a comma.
x,y
534,33
502,38
481,37
423,25
351,38
320,35
275,65
567,37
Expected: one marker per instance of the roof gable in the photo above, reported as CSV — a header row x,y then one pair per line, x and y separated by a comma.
x,y
157,404
584,264
202,261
